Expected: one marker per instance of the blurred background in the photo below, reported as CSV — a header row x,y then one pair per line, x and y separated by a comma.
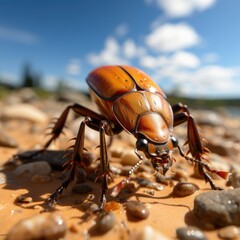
x,y
189,47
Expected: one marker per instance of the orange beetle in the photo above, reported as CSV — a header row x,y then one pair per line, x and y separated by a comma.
x,y
130,100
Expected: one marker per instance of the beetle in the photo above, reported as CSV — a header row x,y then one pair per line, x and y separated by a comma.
x,y
129,100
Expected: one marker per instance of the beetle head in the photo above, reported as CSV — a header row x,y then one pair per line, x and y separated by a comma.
x,y
159,154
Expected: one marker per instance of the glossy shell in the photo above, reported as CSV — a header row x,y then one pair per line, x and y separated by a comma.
x,y
128,97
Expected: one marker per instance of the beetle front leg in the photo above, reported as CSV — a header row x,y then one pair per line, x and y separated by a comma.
x,y
73,163
197,150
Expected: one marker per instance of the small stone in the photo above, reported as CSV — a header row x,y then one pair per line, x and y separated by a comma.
x,y
41,178
23,199
162,179
81,175
105,222
147,233
116,151
111,206
229,232
31,169
3,178
234,180
180,175
7,140
190,233
137,209
25,112
151,185
216,209
129,158
82,188
42,226
144,175
183,189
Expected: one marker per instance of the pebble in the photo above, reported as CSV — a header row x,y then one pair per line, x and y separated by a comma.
x,y
129,158
42,226
82,188
229,232
151,185
81,175
116,151
24,112
105,222
180,175
23,199
41,178
3,178
183,189
162,179
34,168
147,233
7,140
234,180
111,206
216,209
190,233
55,158
137,209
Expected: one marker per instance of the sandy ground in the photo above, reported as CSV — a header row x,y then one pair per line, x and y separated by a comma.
x,y
167,213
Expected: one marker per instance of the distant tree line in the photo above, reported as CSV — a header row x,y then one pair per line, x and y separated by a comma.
x,y
30,78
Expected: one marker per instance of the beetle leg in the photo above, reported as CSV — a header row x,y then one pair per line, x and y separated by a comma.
x,y
60,123
105,171
197,150
72,164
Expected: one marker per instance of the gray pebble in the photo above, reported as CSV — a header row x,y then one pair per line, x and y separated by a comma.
x,y
3,178
234,180
216,209
82,188
190,233
183,189
42,226
31,169
105,222
161,179
151,185
137,209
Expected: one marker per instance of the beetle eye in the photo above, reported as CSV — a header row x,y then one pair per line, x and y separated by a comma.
x,y
141,144
174,141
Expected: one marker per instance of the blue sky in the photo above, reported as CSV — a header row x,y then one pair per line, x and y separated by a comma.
x,y
190,46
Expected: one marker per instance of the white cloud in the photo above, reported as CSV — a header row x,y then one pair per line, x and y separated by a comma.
x,y
210,57
110,54
172,37
179,59
73,68
114,53
182,8
185,60
206,81
17,35
131,50
121,30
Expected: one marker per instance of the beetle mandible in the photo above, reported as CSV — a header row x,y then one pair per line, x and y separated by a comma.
x,y
128,99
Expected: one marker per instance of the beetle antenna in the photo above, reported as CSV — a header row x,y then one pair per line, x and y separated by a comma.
x,y
116,190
